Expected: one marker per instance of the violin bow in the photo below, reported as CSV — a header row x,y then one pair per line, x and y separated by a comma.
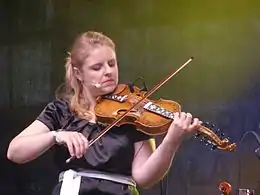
x,y
148,93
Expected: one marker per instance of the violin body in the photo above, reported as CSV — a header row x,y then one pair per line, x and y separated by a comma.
x,y
152,117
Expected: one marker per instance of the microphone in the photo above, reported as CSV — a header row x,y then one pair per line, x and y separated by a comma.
x,y
97,85
93,84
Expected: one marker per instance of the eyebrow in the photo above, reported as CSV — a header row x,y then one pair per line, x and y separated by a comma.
x,y
96,64
100,63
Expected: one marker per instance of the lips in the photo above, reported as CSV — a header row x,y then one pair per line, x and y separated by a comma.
x,y
107,81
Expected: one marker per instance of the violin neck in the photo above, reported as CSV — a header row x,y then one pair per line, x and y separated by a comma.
x,y
150,106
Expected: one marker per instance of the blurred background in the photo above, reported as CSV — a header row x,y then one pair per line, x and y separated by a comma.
x,y
153,38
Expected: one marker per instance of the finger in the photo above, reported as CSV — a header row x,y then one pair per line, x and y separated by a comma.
x,y
76,145
70,148
82,141
80,145
182,116
195,124
85,141
176,116
196,121
188,118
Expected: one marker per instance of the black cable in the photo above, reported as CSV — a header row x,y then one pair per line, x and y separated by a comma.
x,y
144,88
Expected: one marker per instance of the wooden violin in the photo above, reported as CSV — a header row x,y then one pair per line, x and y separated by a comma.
x,y
153,117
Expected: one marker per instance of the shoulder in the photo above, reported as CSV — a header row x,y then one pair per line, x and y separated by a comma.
x,y
54,113
58,105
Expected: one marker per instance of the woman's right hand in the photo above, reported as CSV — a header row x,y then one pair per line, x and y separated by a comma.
x,y
76,142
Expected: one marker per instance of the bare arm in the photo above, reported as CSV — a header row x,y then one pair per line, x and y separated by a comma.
x,y
37,139
30,143
149,165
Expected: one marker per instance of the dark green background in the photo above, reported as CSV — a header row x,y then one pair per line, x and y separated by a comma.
x,y
153,38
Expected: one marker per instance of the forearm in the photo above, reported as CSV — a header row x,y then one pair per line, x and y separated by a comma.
x,y
26,148
149,167
157,165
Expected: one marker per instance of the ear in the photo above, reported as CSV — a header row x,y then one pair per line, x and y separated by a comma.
x,y
77,74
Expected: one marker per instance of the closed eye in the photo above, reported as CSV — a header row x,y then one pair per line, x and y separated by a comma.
x,y
96,66
112,63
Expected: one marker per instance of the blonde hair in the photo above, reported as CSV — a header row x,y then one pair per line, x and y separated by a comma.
x,y
81,48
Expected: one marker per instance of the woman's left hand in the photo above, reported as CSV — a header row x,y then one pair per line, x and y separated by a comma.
x,y
182,125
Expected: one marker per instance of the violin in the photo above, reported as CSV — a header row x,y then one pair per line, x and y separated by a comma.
x,y
225,188
130,105
152,117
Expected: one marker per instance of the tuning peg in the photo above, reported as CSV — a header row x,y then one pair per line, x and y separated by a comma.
x,y
208,143
221,135
218,130
212,125
197,135
209,124
213,147
205,123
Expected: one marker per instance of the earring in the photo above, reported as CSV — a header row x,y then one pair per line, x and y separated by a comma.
x,y
76,69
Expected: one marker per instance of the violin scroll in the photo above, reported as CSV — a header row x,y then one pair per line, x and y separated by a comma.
x,y
214,138
225,188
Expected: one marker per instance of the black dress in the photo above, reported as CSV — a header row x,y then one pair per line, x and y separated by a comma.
x,y
113,153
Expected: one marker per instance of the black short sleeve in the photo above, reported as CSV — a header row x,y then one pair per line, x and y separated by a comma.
x,y
53,114
103,155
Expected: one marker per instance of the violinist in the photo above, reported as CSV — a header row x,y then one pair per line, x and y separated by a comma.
x,y
121,160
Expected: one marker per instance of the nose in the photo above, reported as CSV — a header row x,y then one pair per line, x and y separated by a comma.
x,y
108,70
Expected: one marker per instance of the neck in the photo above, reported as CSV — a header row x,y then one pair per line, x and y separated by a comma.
x,y
91,101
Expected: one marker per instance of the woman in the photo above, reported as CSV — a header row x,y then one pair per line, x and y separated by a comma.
x,y
123,157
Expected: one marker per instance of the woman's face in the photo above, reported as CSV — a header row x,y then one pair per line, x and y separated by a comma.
x,y
100,71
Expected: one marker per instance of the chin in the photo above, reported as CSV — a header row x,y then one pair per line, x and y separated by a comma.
x,y
108,89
